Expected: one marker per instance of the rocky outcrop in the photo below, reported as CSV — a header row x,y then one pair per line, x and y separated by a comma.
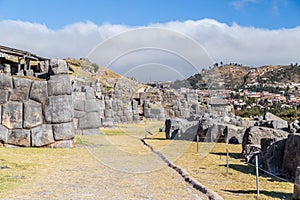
x,y
177,128
291,158
270,117
220,129
254,134
32,111
272,153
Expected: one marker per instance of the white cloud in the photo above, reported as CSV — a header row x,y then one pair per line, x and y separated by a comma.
x,y
240,4
231,43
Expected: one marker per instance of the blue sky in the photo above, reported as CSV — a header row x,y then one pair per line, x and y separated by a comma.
x,y
56,14
248,32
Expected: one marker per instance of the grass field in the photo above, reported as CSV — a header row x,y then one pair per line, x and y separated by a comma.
x,y
22,166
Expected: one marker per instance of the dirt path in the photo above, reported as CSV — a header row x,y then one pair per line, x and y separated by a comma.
x,y
78,174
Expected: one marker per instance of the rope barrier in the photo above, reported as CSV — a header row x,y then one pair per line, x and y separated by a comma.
x,y
267,172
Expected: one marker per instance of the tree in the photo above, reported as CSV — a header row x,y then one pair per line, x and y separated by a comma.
x,y
221,63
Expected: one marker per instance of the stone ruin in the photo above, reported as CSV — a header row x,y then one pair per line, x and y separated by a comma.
x,y
37,112
274,140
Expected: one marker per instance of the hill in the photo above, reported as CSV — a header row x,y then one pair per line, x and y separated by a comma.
x,y
85,70
237,76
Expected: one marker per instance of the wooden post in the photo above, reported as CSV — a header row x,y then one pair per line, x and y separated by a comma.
x,y
257,180
296,194
227,161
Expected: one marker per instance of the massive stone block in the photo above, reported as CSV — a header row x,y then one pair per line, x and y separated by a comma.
x,y
108,122
89,121
5,82
90,105
21,90
3,96
254,134
79,105
63,144
78,114
89,93
3,134
59,85
39,91
58,66
19,137
63,131
59,109
177,128
33,114
42,135
12,115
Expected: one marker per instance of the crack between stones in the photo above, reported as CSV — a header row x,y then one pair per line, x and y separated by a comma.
x,y
185,175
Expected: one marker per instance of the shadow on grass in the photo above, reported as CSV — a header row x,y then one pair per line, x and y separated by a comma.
x,y
154,138
241,168
232,155
273,194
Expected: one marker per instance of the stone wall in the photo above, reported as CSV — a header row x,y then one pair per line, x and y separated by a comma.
x,y
37,112
87,110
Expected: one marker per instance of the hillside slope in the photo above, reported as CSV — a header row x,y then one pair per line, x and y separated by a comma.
x,y
236,76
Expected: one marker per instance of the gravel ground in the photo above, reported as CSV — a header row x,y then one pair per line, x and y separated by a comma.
x,y
78,174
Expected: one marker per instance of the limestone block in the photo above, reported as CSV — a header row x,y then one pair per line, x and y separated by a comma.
x,y
108,113
5,82
120,113
79,114
134,105
12,115
136,117
63,144
3,96
64,131
19,137
59,85
3,134
33,114
89,121
79,96
79,105
58,66
75,123
42,135
90,105
108,122
39,91
21,89
90,93
108,104
59,109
